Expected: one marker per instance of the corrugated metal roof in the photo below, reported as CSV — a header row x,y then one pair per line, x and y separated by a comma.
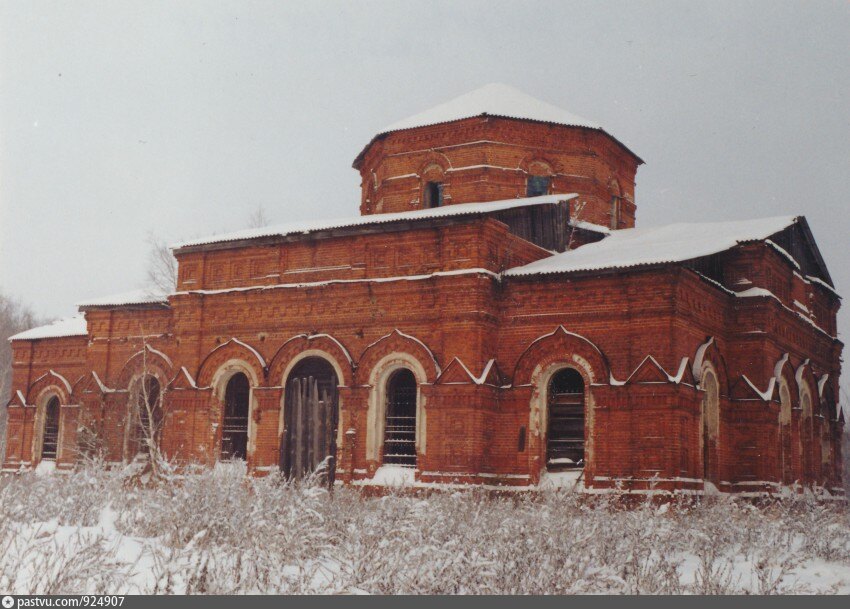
x,y
657,245
311,226
70,326
136,297
494,99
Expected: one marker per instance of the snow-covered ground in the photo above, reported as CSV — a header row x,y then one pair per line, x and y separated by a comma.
x,y
97,531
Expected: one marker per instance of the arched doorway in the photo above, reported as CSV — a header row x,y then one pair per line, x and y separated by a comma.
x,y
234,433
310,418
565,438
400,424
50,437
148,416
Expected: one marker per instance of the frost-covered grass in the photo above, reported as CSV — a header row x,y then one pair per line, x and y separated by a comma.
x,y
96,531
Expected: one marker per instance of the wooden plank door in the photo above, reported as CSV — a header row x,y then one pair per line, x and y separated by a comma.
x,y
310,422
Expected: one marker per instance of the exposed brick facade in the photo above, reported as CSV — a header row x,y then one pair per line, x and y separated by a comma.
x,y
490,158
482,347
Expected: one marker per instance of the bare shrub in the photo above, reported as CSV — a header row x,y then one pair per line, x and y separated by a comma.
x,y
218,531
162,267
14,317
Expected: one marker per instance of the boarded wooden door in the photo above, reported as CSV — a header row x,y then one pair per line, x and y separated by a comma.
x,y
310,420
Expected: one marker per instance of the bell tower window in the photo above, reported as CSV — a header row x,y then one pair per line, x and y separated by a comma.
x,y
615,212
616,200
537,185
432,195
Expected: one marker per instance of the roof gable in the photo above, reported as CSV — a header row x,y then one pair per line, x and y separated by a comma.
x,y
799,245
635,247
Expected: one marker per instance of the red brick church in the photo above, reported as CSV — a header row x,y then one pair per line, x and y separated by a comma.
x,y
491,317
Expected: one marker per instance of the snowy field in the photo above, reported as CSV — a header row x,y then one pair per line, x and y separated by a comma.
x,y
98,531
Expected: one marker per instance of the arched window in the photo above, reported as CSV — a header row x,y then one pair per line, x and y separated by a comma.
x,y
829,409
432,195
806,403
400,427
615,212
537,185
539,181
148,415
710,421
614,188
784,403
806,433
825,450
565,427
234,435
785,449
50,437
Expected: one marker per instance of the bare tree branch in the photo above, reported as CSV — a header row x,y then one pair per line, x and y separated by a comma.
x,y
14,317
258,218
162,267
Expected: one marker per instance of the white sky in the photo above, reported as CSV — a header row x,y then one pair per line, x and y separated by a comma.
x,y
181,118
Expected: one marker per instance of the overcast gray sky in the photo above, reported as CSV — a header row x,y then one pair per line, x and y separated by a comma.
x,y
181,118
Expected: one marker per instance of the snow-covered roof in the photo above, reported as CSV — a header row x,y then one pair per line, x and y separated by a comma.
x,y
310,226
657,245
136,297
596,228
70,326
494,99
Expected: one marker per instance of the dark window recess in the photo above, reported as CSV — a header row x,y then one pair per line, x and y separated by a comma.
x,y
537,185
50,444
543,225
234,433
433,195
829,409
565,429
708,266
149,405
400,428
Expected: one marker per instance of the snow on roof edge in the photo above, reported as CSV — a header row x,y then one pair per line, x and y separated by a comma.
x,y
493,99
512,116
61,328
135,297
306,227
590,226
667,244
381,134
496,100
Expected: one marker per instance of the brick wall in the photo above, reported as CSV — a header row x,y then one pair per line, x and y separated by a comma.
x,y
488,159
482,347
646,427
